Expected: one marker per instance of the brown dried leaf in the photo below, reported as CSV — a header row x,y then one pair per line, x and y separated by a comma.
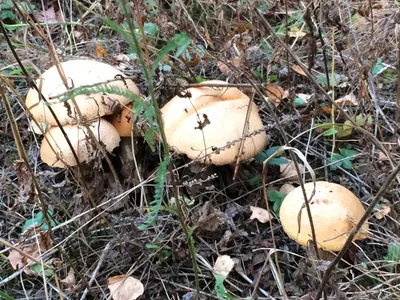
x,y
299,70
288,171
385,210
125,289
275,93
15,259
49,15
70,280
209,219
260,214
224,68
349,99
26,187
296,33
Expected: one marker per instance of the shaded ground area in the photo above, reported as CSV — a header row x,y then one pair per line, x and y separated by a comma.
x,y
350,50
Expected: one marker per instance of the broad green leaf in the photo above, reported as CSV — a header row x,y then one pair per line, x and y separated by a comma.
x,y
37,268
378,67
150,29
330,132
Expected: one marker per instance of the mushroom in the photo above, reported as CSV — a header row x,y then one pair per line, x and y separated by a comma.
x,y
206,118
335,210
78,72
85,149
123,122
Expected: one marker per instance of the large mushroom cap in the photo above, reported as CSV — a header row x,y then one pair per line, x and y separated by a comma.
x,y
335,210
78,72
209,117
78,135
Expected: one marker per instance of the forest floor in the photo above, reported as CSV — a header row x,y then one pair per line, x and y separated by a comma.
x,y
323,75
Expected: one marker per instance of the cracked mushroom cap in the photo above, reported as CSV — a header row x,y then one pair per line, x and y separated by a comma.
x,y
209,117
78,72
335,210
78,135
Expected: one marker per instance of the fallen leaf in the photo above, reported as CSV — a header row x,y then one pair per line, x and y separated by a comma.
x,y
100,51
349,99
49,15
210,218
226,69
296,32
286,188
288,171
70,280
299,70
304,97
275,93
125,288
208,38
385,210
260,214
224,265
15,259
26,187
382,156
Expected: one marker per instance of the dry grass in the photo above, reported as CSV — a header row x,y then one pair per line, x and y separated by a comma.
x,y
97,244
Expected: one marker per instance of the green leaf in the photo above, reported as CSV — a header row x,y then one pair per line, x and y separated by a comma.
x,y
158,194
150,29
255,181
348,152
123,33
179,43
378,67
5,296
330,132
37,268
335,158
276,197
39,221
278,161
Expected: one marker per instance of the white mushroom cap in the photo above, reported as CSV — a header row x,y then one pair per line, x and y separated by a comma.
x,y
78,135
225,109
335,210
78,73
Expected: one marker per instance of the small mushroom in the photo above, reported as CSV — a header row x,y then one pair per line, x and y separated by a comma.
x,y
335,210
78,135
79,72
207,118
